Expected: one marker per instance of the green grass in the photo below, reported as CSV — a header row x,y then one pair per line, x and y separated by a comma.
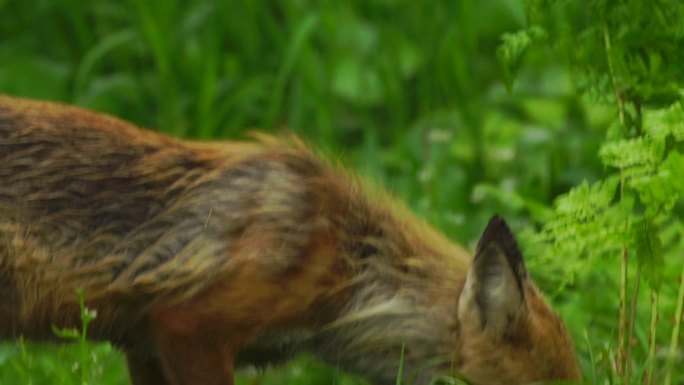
x,y
409,93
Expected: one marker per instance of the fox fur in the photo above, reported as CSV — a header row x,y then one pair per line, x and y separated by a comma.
x,y
197,256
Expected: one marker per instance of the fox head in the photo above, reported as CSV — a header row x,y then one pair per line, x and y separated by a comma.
x,y
508,334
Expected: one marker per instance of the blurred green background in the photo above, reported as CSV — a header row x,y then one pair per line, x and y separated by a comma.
x,y
410,93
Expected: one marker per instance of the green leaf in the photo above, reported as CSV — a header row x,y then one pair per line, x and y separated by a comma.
x,y
673,169
588,221
649,251
585,201
661,190
356,82
512,47
632,152
66,332
665,121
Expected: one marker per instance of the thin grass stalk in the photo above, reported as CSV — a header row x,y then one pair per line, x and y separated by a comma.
x,y
400,370
630,325
674,340
84,364
622,332
592,357
611,70
622,348
648,374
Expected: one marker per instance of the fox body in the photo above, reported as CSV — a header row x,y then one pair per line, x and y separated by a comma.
x,y
197,256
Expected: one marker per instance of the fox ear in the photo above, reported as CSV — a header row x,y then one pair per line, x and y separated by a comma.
x,y
493,294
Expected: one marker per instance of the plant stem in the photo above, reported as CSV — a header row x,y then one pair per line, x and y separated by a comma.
x,y
621,351
611,69
83,342
674,341
630,325
622,323
400,370
648,374
592,357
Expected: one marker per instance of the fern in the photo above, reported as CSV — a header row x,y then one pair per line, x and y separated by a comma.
x,y
666,122
512,48
627,55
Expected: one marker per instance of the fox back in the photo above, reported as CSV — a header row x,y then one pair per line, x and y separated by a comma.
x,y
198,256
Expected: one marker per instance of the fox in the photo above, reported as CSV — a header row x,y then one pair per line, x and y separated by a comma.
x,y
200,257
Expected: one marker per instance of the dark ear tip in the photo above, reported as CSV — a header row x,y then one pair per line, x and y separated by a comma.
x,y
498,233
496,229
496,220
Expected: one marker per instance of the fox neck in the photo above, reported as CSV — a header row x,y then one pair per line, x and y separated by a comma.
x,y
406,281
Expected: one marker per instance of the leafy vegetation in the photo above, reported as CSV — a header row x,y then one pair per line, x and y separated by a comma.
x,y
564,116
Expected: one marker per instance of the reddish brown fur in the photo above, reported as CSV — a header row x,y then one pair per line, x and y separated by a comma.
x,y
198,254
